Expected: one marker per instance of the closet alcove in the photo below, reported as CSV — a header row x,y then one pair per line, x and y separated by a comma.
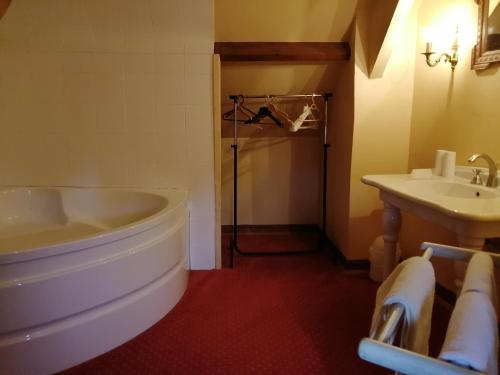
x,y
280,174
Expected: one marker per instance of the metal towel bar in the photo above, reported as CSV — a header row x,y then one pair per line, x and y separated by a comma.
x,y
377,350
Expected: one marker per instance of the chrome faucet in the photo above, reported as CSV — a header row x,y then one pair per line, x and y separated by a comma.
x,y
492,175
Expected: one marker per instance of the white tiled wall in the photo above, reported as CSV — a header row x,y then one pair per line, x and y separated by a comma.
x,y
111,93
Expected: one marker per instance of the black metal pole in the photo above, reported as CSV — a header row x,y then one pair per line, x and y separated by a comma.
x,y
326,145
234,241
325,174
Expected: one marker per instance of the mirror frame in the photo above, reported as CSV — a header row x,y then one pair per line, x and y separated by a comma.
x,y
481,57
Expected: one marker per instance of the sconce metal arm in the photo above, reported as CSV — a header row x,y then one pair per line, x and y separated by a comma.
x,y
452,59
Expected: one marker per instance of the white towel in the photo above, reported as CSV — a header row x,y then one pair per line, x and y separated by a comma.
x,y
480,277
411,284
472,337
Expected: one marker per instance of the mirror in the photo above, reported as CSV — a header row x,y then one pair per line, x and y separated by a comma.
x,y
487,49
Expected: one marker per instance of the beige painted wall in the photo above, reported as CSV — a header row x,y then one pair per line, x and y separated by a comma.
x,y
278,181
456,111
86,101
279,173
340,131
372,130
397,122
382,120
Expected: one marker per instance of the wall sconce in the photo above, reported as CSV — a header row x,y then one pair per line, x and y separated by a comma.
x,y
451,57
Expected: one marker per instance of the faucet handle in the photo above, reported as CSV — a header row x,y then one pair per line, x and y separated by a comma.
x,y
476,177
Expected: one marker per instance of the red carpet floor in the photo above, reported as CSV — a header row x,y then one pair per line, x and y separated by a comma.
x,y
276,241
271,315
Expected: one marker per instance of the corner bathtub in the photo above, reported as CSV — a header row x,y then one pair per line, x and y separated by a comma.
x,y
83,270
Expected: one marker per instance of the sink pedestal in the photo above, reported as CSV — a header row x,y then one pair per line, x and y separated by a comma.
x,y
470,211
470,234
392,225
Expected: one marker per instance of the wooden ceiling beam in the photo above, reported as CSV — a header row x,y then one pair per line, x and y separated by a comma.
x,y
283,51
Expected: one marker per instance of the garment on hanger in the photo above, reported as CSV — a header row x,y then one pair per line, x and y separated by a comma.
x,y
249,117
263,113
305,116
283,116
245,112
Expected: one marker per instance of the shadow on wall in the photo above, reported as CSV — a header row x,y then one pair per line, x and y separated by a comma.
x,y
449,96
282,177
4,4
256,192
491,71
342,11
305,188
372,228
411,239
312,163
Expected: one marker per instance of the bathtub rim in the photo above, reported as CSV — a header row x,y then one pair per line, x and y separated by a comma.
x,y
175,199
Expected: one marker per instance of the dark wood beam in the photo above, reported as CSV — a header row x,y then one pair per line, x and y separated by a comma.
x,y
283,51
4,4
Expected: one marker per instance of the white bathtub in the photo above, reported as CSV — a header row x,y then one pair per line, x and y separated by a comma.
x,y
83,270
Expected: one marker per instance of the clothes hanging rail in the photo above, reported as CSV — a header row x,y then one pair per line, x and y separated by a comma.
x,y
271,96
377,350
233,247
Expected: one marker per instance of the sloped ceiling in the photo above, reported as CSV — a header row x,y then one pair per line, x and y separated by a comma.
x,y
282,20
380,23
305,21
4,4
494,7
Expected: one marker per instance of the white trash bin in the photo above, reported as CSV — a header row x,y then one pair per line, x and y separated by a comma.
x,y
376,258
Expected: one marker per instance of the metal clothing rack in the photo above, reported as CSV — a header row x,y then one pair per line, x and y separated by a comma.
x,y
234,239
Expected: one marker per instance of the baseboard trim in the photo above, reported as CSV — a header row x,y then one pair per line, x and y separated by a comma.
x,y
357,264
339,258
273,228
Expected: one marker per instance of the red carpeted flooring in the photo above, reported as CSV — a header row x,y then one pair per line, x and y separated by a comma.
x,y
278,241
268,315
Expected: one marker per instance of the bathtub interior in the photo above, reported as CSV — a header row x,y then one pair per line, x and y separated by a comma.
x,y
72,301
36,217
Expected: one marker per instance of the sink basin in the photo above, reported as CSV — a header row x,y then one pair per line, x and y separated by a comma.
x,y
471,211
454,197
452,189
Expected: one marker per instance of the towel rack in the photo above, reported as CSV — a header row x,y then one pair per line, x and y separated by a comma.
x,y
376,350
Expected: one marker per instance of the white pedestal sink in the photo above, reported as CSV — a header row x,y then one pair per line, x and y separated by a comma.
x,y
471,211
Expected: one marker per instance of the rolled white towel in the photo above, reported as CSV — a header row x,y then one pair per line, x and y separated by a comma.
x,y
439,162
411,284
480,277
448,168
472,338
